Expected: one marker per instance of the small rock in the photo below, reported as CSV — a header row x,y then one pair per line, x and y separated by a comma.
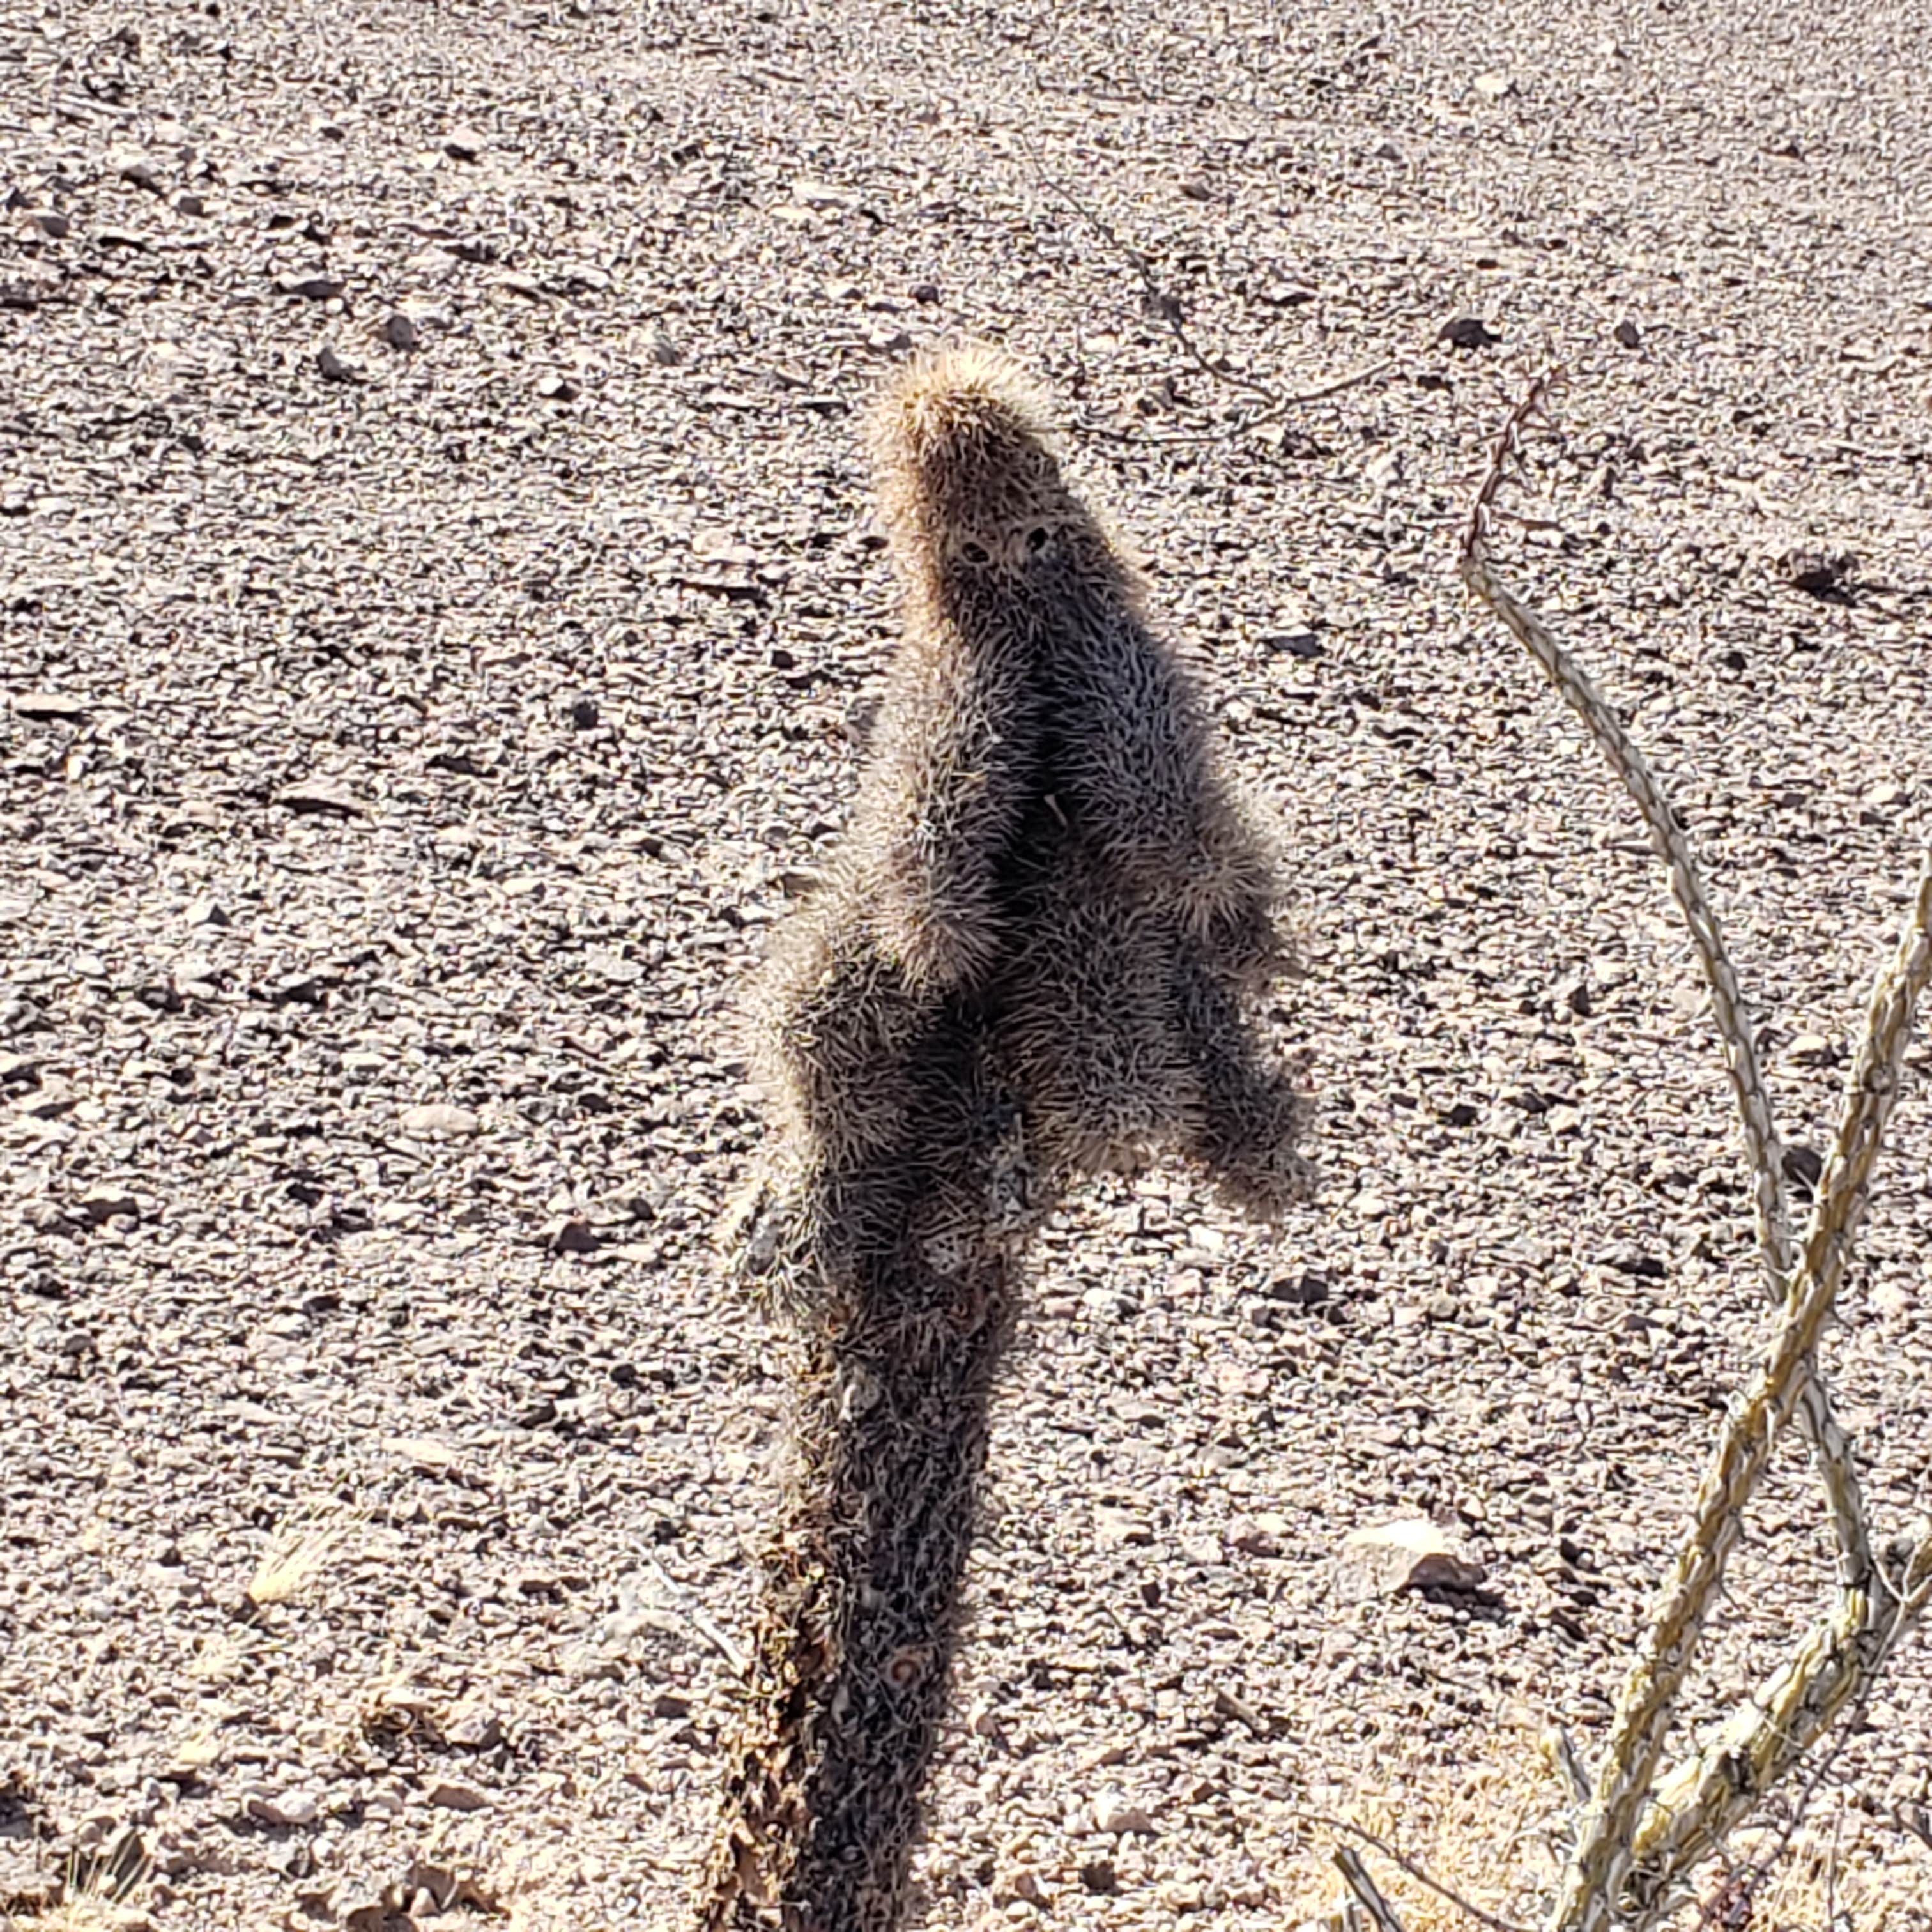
x,y
1301,1288
474,1729
573,1235
54,225
314,288
818,194
558,389
1227,1704
318,795
451,1794
1098,1876
49,1101
1119,1529
1803,1166
583,713
463,144
1198,187
399,332
1115,1816
202,912
192,207
1494,86
1626,334
1810,1049
612,966
1414,1554
99,1205
48,707
1635,1263
665,351
291,1807
330,366
437,1119
1016,1883
1467,331
1253,1537
1820,573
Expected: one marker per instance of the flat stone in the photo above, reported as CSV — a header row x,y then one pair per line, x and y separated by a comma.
x,y
1384,1559
438,1120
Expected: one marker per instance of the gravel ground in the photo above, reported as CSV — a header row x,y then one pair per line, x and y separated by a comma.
x,y
440,612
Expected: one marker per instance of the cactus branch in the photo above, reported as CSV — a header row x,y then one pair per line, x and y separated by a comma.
x,y
1833,1449
1634,1844
1834,1666
1834,1663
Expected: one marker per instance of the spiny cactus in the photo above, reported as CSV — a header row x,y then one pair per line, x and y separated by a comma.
x,y
1035,959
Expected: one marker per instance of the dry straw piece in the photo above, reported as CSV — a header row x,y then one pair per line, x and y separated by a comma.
x,y
1036,956
1638,1838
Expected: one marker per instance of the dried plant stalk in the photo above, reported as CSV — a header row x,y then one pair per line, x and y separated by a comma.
x,y
1836,1465
1355,1876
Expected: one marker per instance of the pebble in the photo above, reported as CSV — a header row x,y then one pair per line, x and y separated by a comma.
x,y
49,706
437,1119
452,1795
1115,1816
284,1808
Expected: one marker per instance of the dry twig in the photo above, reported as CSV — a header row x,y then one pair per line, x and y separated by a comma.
x,y
1167,308
1355,1876
1421,1876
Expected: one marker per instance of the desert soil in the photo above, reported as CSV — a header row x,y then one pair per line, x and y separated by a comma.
x,y
439,613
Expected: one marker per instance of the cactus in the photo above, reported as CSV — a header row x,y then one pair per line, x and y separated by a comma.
x,y
1036,958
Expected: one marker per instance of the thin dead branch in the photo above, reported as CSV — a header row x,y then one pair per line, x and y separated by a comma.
x,y
1447,1894
1166,307
1355,1876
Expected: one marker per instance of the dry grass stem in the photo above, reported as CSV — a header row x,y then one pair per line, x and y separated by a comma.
x,y
1437,1887
297,1555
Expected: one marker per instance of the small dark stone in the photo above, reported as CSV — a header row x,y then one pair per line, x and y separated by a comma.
x,y
1467,331
1818,572
574,1235
1803,1166
49,707
1303,1289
